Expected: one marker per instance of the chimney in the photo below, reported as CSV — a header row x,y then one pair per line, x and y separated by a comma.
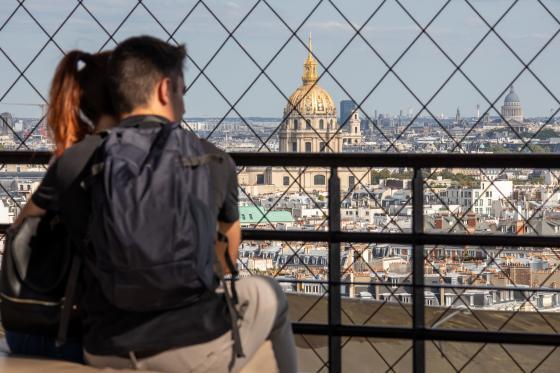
x,y
438,222
519,227
471,222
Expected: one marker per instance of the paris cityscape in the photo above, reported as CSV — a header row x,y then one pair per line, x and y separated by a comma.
x,y
461,201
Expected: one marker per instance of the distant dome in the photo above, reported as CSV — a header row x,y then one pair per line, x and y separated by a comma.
x,y
512,98
512,109
310,98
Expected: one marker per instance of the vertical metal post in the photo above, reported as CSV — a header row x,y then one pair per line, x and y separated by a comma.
x,y
419,355
335,357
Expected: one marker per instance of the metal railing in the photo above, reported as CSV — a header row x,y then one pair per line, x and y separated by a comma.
x,y
418,333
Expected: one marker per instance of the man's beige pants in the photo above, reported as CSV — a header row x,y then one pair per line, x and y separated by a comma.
x,y
265,317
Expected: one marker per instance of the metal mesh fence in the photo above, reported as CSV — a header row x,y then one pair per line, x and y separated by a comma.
x,y
414,59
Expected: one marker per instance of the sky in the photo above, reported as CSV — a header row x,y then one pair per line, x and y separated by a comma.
x,y
364,63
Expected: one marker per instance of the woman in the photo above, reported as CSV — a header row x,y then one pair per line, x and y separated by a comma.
x,y
79,105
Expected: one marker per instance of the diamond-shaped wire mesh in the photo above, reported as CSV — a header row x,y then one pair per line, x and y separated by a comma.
x,y
461,76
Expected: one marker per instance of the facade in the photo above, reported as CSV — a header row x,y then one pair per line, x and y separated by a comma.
x,y
479,200
352,135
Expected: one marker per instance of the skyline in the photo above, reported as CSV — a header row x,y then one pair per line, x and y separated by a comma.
x,y
492,68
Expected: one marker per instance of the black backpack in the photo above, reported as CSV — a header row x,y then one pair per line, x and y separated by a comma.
x,y
40,266
152,232
36,267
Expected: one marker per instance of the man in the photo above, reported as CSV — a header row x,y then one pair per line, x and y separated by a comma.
x,y
147,82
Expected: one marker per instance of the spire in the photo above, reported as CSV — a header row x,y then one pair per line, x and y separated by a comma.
x,y
310,48
310,66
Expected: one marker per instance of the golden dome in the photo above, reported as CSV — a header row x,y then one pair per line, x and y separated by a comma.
x,y
310,98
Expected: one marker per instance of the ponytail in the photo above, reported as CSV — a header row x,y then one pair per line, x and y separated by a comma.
x,y
63,115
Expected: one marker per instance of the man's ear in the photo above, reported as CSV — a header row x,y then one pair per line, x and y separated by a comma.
x,y
164,92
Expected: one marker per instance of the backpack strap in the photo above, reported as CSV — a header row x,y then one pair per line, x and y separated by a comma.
x,y
69,168
231,301
68,303
75,159
159,142
232,269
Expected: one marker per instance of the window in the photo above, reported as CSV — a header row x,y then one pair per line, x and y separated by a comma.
x,y
332,124
308,124
286,180
319,179
260,179
355,129
308,147
294,146
296,124
321,146
321,124
351,181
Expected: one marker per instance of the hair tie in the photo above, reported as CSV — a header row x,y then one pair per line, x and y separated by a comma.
x,y
82,60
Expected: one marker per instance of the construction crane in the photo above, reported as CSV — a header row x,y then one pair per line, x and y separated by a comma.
x,y
43,107
42,130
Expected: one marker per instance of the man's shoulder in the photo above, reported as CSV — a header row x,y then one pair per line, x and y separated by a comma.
x,y
213,149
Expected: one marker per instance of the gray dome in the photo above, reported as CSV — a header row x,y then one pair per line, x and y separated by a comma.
x,y
511,98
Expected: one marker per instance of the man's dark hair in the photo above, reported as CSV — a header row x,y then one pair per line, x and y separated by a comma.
x,y
136,66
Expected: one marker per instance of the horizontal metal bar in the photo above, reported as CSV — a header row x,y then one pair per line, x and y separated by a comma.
x,y
411,285
397,238
425,160
24,157
402,238
477,336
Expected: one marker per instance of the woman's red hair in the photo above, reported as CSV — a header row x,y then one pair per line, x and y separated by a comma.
x,y
78,95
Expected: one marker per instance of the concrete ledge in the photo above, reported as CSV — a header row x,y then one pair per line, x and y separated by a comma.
x,y
263,361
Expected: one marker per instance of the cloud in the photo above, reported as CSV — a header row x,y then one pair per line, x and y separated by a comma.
x,y
330,26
